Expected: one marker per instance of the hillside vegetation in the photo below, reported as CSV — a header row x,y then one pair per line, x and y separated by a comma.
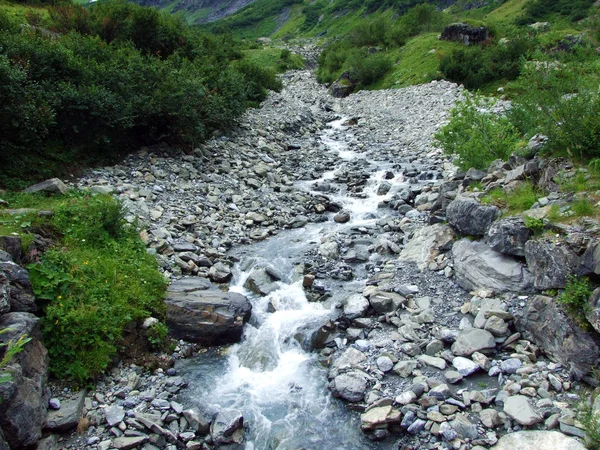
x,y
86,85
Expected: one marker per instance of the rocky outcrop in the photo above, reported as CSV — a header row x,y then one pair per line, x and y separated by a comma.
x,y
544,322
467,34
551,263
479,267
24,401
199,312
470,218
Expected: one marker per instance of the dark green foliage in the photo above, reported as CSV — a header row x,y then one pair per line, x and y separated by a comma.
x,y
474,67
96,280
119,76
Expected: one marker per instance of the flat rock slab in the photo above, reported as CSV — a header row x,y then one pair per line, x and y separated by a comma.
x,y
537,440
197,311
67,417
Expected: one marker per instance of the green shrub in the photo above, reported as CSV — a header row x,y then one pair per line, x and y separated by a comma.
x,y
475,135
94,282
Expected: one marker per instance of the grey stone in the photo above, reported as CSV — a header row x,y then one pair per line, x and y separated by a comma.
x,y
508,236
350,386
518,408
537,440
479,267
473,340
52,186
207,316
468,217
24,398
550,263
68,416
427,243
544,322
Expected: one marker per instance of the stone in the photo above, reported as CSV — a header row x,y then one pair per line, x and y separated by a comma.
x,y
520,410
199,312
228,427
477,267
68,416
51,186
465,366
544,322
24,397
508,236
428,243
350,386
469,217
464,33
537,440
355,305
220,273
550,263
114,415
473,340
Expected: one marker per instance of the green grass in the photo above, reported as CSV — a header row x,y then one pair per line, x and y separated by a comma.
x,y
96,279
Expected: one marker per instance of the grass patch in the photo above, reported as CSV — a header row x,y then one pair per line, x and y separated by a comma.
x,y
95,280
515,201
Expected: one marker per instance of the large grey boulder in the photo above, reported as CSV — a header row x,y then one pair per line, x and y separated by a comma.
x,y
545,323
473,340
550,263
21,297
477,266
508,236
198,311
24,397
427,243
537,440
51,186
467,216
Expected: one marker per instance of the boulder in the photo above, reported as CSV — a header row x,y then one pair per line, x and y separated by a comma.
x,y
479,267
260,282
473,340
544,322
508,236
199,312
520,410
537,440
465,33
427,243
21,297
550,263
467,216
51,186
24,397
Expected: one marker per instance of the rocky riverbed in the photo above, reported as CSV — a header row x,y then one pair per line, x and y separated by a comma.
x,y
429,340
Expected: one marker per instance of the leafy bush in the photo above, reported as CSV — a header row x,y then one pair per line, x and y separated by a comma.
x,y
476,135
97,280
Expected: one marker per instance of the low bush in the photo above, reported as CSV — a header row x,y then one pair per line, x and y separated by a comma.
x,y
476,135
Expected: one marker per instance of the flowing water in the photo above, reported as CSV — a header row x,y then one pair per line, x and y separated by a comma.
x,y
280,387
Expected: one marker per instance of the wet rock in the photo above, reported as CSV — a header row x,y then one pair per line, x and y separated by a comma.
x,y
477,266
550,263
468,217
508,236
24,398
519,409
427,243
473,340
537,440
51,186
201,313
350,386
545,323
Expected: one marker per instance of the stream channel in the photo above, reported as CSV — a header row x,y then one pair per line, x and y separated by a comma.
x,y
277,383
